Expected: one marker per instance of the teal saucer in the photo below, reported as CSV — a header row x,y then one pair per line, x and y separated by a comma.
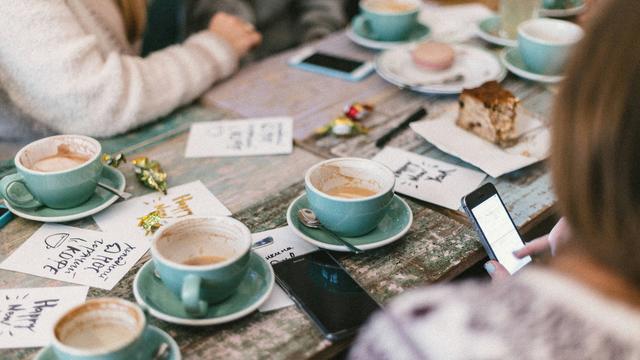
x,y
362,36
154,337
393,226
489,31
512,60
574,9
163,304
100,200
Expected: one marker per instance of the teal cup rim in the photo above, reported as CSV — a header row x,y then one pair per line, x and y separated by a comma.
x,y
523,32
21,167
245,235
362,6
380,193
141,327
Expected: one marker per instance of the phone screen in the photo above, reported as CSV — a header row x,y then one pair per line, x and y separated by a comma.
x,y
327,293
3,210
333,62
499,231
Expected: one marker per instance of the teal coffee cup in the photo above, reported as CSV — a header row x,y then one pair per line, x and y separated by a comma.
x,y
202,260
545,44
350,196
59,172
388,20
101,329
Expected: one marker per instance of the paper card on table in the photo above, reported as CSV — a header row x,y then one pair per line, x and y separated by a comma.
x,y
241,137
78,256
27,315
274,246
188,199
428,179
532,147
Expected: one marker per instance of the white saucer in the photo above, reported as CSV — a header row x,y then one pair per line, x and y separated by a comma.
x,y
513,61
560,13
472,67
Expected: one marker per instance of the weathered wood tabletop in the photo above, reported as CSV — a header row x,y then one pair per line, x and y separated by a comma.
x,y
439,245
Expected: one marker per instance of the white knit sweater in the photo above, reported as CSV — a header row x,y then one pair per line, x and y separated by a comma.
x,y
66,66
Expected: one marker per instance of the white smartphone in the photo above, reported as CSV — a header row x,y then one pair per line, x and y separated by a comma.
x,y
498,234
332,65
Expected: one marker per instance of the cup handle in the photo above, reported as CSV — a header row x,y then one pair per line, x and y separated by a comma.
x,y
360,22
191,296
7,183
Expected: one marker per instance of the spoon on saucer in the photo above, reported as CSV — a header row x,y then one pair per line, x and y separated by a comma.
x,y
122,194
308,218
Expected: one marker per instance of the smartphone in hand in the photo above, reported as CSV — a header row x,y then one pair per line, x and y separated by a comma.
x,y
498,234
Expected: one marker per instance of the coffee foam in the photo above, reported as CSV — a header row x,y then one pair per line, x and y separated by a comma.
x,y
57,146
332,176
390,6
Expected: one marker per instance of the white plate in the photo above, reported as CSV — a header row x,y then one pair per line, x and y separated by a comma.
x,y
472,67
513,61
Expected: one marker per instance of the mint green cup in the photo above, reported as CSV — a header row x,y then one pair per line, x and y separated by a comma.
x,y
386,25
349,216
199,286
546,44
101,329
29,189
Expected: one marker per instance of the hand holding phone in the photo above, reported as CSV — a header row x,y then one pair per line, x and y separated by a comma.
x,y
498,234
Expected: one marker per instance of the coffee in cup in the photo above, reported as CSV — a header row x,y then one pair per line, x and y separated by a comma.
x,y
105,328
545,44
350,196
202,260
60,172
388,20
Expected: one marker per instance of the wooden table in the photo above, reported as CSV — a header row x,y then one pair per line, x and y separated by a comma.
x,y
439,246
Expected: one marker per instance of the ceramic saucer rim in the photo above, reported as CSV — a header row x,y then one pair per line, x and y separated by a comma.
x,y
383,45
525,73
207,321
175,349
426,90
563,13
343,248
77,216
493,39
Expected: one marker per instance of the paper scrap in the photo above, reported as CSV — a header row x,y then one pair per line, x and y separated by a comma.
x,y
274,246
184,200
442,131
241,137
453,23
27,315
78,256
428,179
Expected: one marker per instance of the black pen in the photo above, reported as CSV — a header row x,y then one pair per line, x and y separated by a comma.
x,y
417,115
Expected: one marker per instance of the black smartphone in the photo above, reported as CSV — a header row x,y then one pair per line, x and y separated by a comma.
x,y
499,235
326,293
332,65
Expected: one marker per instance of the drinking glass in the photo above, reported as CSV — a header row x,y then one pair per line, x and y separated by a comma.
x,y
514,12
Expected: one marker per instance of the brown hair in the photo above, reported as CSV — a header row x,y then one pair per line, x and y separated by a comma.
x,y
596,141
134,14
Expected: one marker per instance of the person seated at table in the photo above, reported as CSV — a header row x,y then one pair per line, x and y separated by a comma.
x,y
586,303
73,66
284,23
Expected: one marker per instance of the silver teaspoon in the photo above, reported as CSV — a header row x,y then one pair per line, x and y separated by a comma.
x,y
121,194
308,218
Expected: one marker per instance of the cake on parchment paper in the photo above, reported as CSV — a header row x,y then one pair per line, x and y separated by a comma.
x,y
489,111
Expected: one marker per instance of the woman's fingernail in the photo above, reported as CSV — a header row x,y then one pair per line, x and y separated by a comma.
x,y
515,252
489,267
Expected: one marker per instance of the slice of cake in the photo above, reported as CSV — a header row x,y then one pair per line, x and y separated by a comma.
x,y
489,111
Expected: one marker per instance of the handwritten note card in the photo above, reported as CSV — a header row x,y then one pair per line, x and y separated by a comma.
x,y
278,245
428,179
188,199
27,315
77,256
248,137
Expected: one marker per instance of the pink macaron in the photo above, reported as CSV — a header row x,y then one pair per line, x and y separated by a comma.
x,y
433,56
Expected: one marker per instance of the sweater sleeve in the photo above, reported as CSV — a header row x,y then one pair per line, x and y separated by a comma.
x,y
55,71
